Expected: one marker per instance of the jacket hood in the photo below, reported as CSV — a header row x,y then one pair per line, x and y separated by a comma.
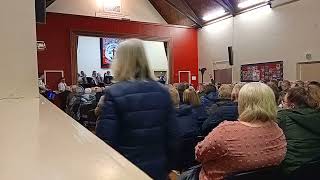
x,y
305,117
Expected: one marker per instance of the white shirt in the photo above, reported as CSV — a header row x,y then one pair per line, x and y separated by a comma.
x,y
62,87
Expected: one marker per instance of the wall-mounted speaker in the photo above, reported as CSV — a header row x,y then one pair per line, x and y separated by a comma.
x,y
40,11
230,54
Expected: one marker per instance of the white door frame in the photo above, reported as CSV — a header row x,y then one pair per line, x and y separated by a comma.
x,y
189,77
51,71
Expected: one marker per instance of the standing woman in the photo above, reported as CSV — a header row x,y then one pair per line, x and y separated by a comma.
x,y
136,112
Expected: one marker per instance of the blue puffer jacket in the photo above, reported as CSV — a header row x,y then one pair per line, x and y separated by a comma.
x,y
219,112
134,121
184,138
209,99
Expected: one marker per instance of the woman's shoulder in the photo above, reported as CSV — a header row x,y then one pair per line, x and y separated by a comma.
x,y
135,86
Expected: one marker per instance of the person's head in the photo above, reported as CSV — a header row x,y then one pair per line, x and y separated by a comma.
x,y
181,88
316,83
207,89
314,96
131,61
257,103
225,91
63,80
174,94
108,73
88,91
299,83
296,97
191,97
94,73
275,89
82,73
41,76
235,92
285,85
74,88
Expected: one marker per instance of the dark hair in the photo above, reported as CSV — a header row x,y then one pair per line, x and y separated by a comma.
x,y
298,96
316,83
275,90
209,88
181,88
314,96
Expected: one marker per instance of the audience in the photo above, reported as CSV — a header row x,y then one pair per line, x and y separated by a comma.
x,y
253,142
136,112
184,137
300,121
223,109
158,128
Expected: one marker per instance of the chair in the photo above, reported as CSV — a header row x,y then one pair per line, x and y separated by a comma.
x,y
269,173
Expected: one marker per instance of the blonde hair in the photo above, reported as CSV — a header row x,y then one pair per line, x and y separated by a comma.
x,y
131,61
174,94
257,103
225,91
235,92
314,96
191,97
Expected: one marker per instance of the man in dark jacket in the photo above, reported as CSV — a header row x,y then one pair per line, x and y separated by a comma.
x,y
219,112
134,121
210,96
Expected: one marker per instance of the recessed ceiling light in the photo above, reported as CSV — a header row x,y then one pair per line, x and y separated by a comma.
x,y
249,3
213,15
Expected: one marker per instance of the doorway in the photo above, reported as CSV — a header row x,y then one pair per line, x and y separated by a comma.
x,y
308,71
75,35
223,76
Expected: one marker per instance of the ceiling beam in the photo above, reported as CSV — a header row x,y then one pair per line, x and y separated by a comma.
x,y
185,9
49,2
226,4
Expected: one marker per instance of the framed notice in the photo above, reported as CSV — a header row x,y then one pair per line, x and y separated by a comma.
x,y
108,51
262,71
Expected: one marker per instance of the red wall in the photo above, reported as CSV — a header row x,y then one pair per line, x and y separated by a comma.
x,y
56,34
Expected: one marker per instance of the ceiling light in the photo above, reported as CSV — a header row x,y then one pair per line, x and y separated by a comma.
x,y
213,15
249,3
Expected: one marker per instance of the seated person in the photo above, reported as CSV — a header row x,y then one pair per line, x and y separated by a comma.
x,y
210,96
88,96
224,109
300,122
253,142
42,86
184,138
107,78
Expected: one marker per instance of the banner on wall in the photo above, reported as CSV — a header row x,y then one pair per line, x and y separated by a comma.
x,y
262,72
108,51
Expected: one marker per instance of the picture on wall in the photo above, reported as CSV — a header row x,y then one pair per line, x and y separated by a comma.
x,y
262,71
108,51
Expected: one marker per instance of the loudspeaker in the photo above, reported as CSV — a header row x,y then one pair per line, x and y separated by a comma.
x,y
40,11
230,54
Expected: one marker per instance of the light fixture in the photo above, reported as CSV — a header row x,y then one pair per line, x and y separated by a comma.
x,y
213,15
249,3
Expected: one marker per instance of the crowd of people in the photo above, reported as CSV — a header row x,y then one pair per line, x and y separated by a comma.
x,y
205,133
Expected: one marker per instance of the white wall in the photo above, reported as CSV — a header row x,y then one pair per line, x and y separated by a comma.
x,y
18,62
89,57
285,33
137,10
